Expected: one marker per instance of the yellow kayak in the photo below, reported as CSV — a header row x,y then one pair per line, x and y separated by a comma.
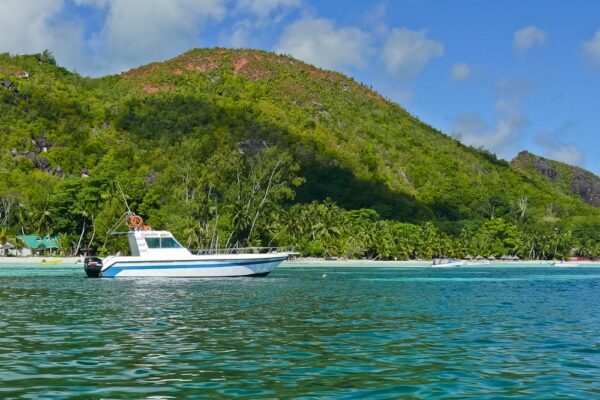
x,y
51,262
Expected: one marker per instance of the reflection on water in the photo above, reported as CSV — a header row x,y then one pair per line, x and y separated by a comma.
x,y
369,332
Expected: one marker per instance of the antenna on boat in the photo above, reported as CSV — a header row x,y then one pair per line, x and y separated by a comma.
x,y
126,215
124,198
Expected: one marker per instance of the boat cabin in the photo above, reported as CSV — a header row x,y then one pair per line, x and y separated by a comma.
x,y
155,243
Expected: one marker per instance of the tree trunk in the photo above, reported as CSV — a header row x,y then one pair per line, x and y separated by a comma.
x,y
93,234
80,238
264,198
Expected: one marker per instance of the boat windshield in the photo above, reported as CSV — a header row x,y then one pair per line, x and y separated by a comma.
x,y
162,243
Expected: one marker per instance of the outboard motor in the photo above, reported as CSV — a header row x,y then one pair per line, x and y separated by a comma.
x,y
92,267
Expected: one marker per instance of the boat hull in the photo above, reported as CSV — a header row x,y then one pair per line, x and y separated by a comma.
x,y
198,268
565,264
448,265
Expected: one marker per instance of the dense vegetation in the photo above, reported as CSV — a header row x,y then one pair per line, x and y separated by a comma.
x,y
239,147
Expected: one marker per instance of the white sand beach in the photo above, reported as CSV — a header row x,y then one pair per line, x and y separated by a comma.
x,y
321,262
40,260
303,261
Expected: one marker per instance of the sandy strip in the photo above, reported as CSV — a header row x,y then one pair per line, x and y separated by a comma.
x,y
304,262
321,262
39,260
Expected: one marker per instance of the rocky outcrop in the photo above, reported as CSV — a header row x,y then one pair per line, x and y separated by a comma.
x,y
42,163
151,178
576,181
8,85
30,155
41,145
587,186
526,161
252,146
545,168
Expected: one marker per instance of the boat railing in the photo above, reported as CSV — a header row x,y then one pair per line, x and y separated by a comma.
x,y
242,250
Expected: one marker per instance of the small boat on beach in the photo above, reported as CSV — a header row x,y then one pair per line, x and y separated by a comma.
x,y
159,254
438,263
565,264
51,262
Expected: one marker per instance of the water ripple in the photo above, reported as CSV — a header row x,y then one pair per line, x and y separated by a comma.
x,y
362,333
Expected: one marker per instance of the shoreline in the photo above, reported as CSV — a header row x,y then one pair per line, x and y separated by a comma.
x,y
321,262
304,262
39,260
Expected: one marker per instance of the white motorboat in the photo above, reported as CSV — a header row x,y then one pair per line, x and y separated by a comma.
x,y
565,264
447,263
159,254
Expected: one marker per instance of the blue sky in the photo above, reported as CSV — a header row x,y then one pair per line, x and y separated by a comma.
x,y
507,76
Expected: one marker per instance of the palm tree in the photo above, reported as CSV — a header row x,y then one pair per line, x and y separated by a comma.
x,y
64,244
3,236
522,207
42,220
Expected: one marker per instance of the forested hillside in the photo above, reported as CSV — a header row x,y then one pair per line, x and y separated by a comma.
x,y
237,147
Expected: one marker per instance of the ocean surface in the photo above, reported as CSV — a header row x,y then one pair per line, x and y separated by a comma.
x,y
369,332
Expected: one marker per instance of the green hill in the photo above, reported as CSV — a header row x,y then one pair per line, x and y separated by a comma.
x,y
571,180
198,141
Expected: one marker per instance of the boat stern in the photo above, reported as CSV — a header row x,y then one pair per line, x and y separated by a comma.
x,y
92,267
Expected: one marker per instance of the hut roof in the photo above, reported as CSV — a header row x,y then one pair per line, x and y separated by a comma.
x,y
34,242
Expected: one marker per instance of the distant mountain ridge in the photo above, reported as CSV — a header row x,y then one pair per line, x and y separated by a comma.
x,y
569,179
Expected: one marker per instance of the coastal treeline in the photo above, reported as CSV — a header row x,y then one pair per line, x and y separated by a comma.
x,y
231,199
246,148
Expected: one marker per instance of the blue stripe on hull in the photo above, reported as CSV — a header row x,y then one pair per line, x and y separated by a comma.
x,y
115,269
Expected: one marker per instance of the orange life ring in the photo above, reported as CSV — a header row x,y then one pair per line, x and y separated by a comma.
x,y
135,221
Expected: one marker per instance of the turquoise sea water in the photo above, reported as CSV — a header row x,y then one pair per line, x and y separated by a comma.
x,y
369,332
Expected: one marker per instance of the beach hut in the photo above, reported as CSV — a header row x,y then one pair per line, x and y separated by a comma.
x,y
468,257
5,248
506,258
491,258
40,245
479,257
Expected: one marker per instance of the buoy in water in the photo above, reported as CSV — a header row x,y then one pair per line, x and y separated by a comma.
x,y
324,276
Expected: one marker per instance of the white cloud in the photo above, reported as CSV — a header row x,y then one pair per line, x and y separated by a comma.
x,y
26,27
320,42
472,130
239,35
591,49
265,8
95,3
568,153
136,32
503,138
254,18
554,145
405,53
460,72
31,27
528,37
375,18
